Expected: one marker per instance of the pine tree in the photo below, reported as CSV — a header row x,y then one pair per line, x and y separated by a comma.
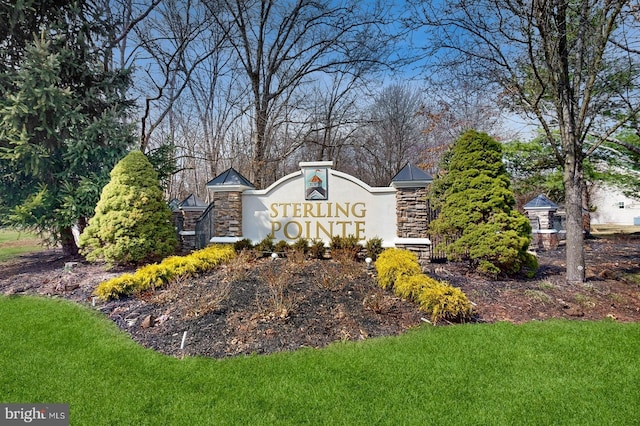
x,y
132,222
62,116
477,209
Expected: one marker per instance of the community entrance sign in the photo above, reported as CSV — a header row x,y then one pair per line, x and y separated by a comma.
x,y
315,203
318,202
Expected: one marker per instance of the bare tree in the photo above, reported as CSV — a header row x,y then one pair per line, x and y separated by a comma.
x,y
452,107
127,15
569,65
282,45
331,119
173,44
393,135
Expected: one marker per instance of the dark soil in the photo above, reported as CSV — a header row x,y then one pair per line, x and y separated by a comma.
x,y
264,305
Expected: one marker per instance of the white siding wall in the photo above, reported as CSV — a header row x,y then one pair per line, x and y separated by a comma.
x,y
613,207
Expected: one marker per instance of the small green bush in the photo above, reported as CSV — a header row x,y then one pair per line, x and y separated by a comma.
x,y
317,249
392,263
266,245
132,222
281,246
410,286
242,245
301,244
531,265
158,274
400,269
348,242
345,248
373,247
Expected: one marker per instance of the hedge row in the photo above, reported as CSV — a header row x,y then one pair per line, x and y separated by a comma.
x,y
399,269
158,274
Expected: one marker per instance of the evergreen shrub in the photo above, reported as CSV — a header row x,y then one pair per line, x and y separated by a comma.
x,y
266,245
373,247
281,246
400,269
158,274
443,301
410,286
345,248
242,245
301,245
317,249
132,222
393,263
477,209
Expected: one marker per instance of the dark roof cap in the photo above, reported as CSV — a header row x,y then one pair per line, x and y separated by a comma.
x,y
541,203
192,201
230,177
411,173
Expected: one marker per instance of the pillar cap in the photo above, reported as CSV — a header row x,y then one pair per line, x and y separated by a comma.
x,y
411,177
230,181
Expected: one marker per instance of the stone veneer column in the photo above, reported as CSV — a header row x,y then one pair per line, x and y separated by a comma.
x,y
413,220
227,211
412,214
543,235
187,234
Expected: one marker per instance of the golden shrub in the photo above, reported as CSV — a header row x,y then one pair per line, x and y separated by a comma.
x,y
115,287
393,263
443,301
410,286
158,274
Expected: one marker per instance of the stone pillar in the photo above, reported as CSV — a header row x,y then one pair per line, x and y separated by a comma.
x,y
411,211
543,235
227,208
187,228
413,221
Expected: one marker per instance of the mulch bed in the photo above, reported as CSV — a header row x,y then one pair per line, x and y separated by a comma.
x,y
263,306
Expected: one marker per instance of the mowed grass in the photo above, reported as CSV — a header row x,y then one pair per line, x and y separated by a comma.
x,y
612,229
540,373
14,243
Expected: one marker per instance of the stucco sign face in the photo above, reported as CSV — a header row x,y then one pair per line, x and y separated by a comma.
x,y
318,203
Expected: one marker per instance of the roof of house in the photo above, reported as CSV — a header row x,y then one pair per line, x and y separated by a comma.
x,y
230,177
192,201
541,203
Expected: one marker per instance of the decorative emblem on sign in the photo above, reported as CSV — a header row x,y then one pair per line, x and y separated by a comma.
x,y
315,184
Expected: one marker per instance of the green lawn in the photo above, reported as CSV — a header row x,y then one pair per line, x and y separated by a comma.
x,y
541,373
14,243
610,229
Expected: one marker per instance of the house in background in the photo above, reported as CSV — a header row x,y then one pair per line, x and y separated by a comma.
x,y
611,206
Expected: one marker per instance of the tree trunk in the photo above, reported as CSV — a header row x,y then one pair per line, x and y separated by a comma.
x,y
573,203
68,242
259,147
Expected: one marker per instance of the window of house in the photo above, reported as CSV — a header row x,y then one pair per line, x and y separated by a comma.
x,y
621,205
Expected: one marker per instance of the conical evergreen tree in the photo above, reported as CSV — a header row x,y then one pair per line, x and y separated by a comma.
x,y
477,209
132,223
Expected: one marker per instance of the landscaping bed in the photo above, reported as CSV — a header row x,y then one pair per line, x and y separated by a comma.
x,y
263,305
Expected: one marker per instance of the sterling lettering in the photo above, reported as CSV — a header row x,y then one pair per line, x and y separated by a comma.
x,y
318,210
345,223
